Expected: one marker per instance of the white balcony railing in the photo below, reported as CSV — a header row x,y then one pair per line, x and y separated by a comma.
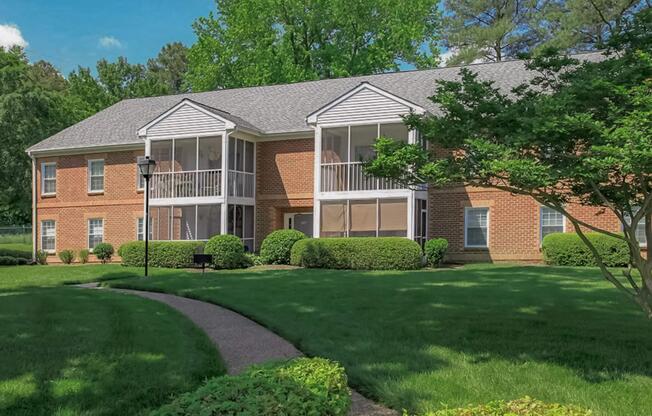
x,y
187,184
241,184
337,177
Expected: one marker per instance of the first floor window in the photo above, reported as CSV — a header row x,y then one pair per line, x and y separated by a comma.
x,y
364,218
551,222
476,227
96,175
48,236
641,237
95,232
49,175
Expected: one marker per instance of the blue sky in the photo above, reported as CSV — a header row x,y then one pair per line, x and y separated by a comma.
x,y
69,33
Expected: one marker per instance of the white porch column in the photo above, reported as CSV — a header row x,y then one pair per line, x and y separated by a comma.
x,y
316,215
225,176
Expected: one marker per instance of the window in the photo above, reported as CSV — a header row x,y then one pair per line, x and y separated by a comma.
x,y
96,175
95,232
48,236
241,224
476,227
140,181
420,221
140,229
640,229
49,178
551,222
364,218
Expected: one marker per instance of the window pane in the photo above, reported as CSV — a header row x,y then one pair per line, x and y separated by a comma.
x,y
249,157
185,154
95,232
397,131
184,223
640,233
161,152
140,229
551,221
96,175
333,219
476,237
393,218
210,153
232,153
160,222
97,167
49,178
239,155
334,144
140,181
49,186
362,219
362,142
48,238
208,221
248,221
476,220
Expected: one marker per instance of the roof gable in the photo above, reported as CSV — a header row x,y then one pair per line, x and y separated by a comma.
x,y
186,118
364,102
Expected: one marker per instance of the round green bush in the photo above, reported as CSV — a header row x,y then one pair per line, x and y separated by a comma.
x,y
67,256
276,247
227,251
302,386
567,249
521,407
435,250
357,253
169,254
103,252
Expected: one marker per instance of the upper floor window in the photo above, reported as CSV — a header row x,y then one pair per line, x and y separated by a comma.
x,y
48,236
551,221
49,178
352,144
140,181
96,175
476,227
95,232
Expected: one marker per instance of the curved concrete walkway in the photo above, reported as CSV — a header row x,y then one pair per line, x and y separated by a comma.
x,y
241,341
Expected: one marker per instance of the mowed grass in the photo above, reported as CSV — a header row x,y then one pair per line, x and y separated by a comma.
x,y
72,351
429,339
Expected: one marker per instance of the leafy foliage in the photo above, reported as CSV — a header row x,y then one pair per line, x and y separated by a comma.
x,y
15,253
357,253
41,257
83,256
303,386
521,407
103,252
227,251
435,250
577,133
568,249
12,261
67,256
170,254
276,247
258,42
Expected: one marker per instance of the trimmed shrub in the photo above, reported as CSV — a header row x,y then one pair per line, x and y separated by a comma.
x,y
170,254
358,253
103,252
22,254
276,247
67,256
83,256
303,386
41,257
521,407
567,249
435,250
254,260
228,252
8,261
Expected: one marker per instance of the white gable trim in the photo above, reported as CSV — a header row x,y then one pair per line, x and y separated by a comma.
x,y
142,132
312,118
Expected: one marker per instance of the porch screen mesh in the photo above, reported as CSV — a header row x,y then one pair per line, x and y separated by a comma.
x,y
363,218
333,218
393,217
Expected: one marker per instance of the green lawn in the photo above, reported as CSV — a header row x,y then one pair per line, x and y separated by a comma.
x,y
70,351
424,340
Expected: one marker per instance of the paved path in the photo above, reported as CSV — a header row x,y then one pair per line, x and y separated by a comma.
x,y
241,341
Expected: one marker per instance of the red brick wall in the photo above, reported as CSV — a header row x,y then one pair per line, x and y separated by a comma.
x,y
284,182
119,205
514,233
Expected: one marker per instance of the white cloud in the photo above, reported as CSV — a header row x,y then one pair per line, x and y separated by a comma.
x,y
445,56
109,42
10,36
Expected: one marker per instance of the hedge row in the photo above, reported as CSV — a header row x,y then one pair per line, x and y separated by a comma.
x,y
19,254
357,253
13,261
567,249
171,254
303,386
521,407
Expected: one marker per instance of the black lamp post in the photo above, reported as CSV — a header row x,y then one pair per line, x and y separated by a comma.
x,y
146,167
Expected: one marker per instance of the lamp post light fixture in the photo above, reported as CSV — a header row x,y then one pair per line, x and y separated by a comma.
x,y
146,167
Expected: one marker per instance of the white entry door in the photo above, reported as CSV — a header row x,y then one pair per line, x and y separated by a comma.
x,y
301,221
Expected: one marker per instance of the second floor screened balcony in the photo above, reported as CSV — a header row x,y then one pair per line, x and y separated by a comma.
x,y
343,150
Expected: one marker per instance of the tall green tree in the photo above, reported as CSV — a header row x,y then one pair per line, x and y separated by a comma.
x,y
256,42
170,66
578,133
493,30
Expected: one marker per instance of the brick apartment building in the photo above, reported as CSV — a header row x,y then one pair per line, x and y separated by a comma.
x,y
248,161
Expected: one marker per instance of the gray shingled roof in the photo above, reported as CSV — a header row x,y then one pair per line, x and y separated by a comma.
x,y
274,108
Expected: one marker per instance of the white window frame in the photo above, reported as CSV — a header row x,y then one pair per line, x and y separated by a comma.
x,y
140,181
43,178
88,232
138,230
466,228
90,175
541,208
54,228
640,223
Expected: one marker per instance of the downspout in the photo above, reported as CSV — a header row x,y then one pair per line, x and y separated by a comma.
x,y
34,219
